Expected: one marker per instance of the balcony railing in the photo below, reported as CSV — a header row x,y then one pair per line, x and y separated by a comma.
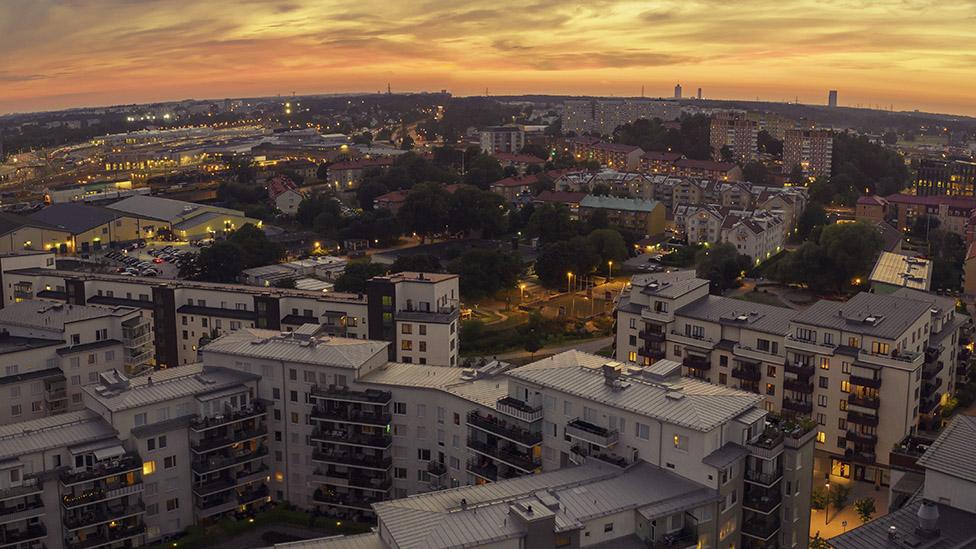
x,y
797,406
930,405
700,342
254,410
747,373
342,415
215,463
761,528
861,456
518,409
504,429
810,345
858,437
594,434
138,358
860,381
113,535
862,419
656,354
353,501
897,358
349,438
762,501
931,387
103,469
652,336
799,369
24,506
696,362
354,460
436,468
344,394
101,515
252,495
29,486
510,457
764,478
55,395
864,401
213,443
805,387
930,371
905,454
482,469
32,532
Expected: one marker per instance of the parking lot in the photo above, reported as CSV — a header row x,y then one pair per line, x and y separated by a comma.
x,y
154,259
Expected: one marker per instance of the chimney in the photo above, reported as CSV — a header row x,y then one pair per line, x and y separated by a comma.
x,y
928,520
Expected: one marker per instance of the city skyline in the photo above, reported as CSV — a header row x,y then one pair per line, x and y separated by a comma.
x,y
82,54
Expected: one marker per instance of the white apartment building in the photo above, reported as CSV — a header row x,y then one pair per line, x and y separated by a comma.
x,y
869,371
502,139
187,314
604,115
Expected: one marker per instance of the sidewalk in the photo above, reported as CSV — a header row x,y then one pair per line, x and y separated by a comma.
x,y
840,521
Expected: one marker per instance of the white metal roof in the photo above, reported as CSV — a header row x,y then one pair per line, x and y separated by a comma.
x,y
168,384
339,352
58,431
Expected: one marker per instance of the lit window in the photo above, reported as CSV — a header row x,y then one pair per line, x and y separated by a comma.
x,y
821,437
148,467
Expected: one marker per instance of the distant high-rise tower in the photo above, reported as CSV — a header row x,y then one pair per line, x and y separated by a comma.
x,y
699,94
832,98
677,91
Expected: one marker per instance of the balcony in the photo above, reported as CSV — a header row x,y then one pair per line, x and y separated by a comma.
x,y
55,394
651,336
593,434
216,463
484,469
895,359
764,478
873,383
799,369
864,401
210,444
804,387
358,461
864,439
348,438
102,515
685,538
798,406
810,346
930,405
355,417
747,373
862,419
253,495
216,505
508,456
351,501
138,358
256,409
130,462
438,315
699,342
519,410
436,468
861,456
28,487
696,362
768,445
224,483
111,536
14,537
344,394
32,506
754,354
932,353
503,429
930,371
905,454
761,528
762,501
656,354
930,387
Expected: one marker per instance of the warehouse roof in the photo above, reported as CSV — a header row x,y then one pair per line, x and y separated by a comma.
x,y
74,217
163,209
902,270
686,402
615,203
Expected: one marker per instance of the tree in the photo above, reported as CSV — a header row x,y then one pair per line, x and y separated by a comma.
x,y
597,220
377,226
600,189
890,138
425,210
923,224
322,173
818,499
609,245
813,216
484,272
839,495
368,192
551,223
542,183
874,167
425,263
864,508
313,206
473,210
568,256
797,177
948,253
852,249
532,345
406,143
483,170
768,144
821,190
255,248
356,275
726,153
755,173
221,262
721,264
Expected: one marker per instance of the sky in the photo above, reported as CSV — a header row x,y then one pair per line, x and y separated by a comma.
x,y
905,54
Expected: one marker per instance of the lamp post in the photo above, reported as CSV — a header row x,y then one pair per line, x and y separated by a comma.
x,y
609,270
569,290
827,505
521,291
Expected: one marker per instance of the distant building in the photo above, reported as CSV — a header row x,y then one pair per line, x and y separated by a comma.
x,y
944,177
832,98
502,139
707,169
677,91
658,162
737,132
565,198
520,162
348,175
644,216
893,271
871,209
611,155
809,148
602,116
952,213
284,195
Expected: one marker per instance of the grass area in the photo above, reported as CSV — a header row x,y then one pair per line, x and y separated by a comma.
x,y
761,297
204,536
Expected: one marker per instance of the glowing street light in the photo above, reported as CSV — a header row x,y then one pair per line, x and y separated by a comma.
x,y
609,270
521,291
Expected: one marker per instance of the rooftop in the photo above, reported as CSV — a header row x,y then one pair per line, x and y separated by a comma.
x,y
673,284
165,385
473,515
952,453
615,203
53,316
339,352
683,401
884,316
408,276
902,270
735,312
897,530
52,432
484,390
560,197
163,209
75,217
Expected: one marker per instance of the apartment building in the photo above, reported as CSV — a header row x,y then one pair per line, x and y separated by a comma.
x,y
953,212
944,177
809,148
349,174
736,131
869,371
186,314
658,162
759,234
610,155
502,139
645,216
284,195
603,116
707,169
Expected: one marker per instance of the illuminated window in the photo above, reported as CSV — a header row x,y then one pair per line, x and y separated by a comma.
x,y
632,356
821,437
845,386
824,363
148,467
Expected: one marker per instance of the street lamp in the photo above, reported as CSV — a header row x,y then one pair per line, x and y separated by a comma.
x,y
521,292
609,270
827,505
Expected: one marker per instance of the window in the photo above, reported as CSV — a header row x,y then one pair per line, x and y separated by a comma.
x,y
821,419
822,401
172,504
806,334
152,509
879,348
421,410
169,462
843,405
15,410
828,338
140,419
824,363
276,393
770,389
681,442
842,424
400,408
423,454
770,371
723,378
406,345
632,356
821,437
643,431
845,386
567,408
608,527
823,382
845,367
151,444
723,360
293,396
406,328
162,441
148,467
400,473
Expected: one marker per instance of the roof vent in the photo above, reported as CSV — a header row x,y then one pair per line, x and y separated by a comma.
x,y
674,395
928,520
468,374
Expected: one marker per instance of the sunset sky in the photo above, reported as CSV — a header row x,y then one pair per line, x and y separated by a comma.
x,y
907,53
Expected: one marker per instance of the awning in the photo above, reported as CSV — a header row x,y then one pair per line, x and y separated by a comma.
x,y
109,453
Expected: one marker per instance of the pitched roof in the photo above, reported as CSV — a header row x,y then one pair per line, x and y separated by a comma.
x,y
392,196
895,314
58,431
279,185
75,217
616,203
560,197
362,163
686,402
710,165
871,201
340,352
163,209
955,530
951,201
663,156
952,453
519,158
170,384
616,147
725,310
10,222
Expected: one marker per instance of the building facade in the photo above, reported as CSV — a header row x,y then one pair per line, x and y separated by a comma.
x,y
809,148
